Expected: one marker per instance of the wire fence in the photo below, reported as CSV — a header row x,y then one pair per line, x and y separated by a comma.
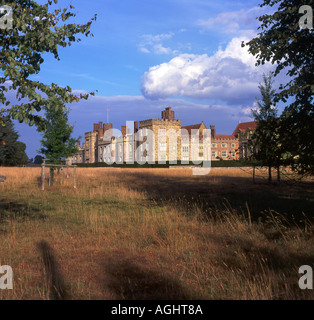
x,y
286,175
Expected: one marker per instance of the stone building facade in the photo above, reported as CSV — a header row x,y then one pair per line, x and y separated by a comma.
x,y
161,140
195,144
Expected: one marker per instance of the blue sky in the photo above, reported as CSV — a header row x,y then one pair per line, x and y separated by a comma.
x,y
147,55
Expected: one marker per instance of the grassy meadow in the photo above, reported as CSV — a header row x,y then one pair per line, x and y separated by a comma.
x,y
155,234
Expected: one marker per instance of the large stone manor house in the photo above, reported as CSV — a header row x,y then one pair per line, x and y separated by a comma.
x,y
161,140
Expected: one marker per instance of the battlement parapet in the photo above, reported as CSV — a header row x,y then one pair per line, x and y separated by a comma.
x,y
159,122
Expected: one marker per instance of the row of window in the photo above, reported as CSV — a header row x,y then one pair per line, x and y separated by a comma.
x,y
163,157
223,145
223,154
163,147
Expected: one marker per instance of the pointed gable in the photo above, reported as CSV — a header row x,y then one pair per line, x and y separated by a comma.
x,y
200,126
243,127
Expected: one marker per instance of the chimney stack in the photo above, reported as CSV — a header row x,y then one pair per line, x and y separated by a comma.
x,y
167,114
123,130
135,126
213,131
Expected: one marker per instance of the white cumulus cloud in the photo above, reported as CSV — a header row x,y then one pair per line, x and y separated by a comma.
x,y
229,75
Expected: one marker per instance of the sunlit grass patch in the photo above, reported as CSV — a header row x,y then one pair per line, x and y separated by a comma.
x,y
190,237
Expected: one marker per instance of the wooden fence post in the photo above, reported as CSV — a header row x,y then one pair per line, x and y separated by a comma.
x,y
49,179
75,177
51,173
42,177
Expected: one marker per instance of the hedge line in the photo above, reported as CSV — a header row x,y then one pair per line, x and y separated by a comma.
x,y
214,164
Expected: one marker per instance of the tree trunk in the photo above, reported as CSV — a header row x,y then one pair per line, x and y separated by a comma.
x,y
51,177
269,174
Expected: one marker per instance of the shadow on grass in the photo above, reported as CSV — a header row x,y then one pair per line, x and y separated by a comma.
x,y
134,277
18,211
277,264
54,278
213,192
273,257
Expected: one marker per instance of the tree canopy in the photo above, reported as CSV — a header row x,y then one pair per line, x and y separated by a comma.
x,y
265,106
36,29
12,151
38,159
265,140
283,42
57,142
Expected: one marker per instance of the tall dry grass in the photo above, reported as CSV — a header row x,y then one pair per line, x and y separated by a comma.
x,y
150,234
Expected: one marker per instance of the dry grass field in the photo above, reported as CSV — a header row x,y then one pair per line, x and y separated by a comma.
x,y
155,234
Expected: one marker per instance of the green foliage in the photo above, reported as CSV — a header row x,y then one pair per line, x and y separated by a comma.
x,y
282,42
12,151
57,142
266,138
21,156
35,31
38,159
266,109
